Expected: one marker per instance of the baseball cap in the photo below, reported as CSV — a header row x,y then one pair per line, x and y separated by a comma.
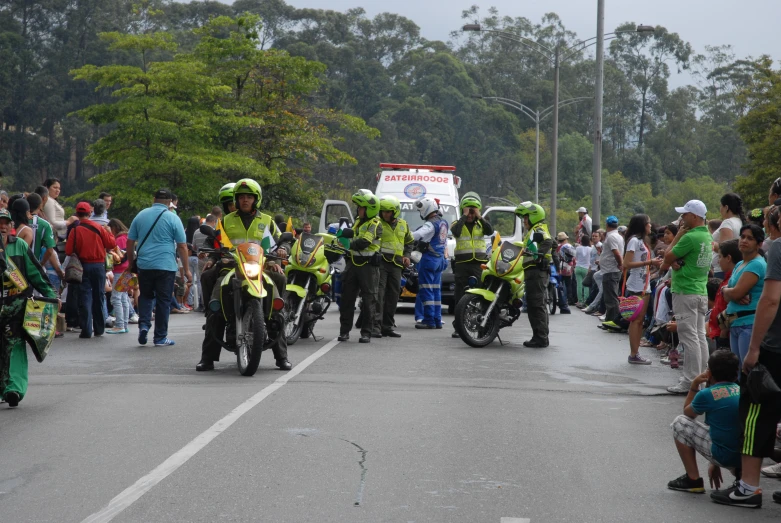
x,y
696,207
164,194
582,209
611,220
83,207
5,214
562,236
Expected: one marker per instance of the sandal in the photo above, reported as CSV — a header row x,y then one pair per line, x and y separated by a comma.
x,y
646,343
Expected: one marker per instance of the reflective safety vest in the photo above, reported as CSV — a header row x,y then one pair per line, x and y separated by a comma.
x,y
471,246
532,261
238,234
371,231
393,237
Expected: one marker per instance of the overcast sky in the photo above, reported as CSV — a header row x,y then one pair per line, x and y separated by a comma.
x,y
750,26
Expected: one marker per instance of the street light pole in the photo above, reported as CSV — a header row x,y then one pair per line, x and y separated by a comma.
x,y
554,181
596,188
537,163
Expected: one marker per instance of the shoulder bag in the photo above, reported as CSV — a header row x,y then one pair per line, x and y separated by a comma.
x,y
133,266
631,307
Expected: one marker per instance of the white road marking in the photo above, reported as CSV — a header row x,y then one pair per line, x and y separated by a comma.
x,y
515,520
131,494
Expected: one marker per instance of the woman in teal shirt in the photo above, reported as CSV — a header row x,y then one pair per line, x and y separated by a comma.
x,y
744,289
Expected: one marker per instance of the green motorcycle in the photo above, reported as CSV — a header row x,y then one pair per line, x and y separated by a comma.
x,y
482,311
309,272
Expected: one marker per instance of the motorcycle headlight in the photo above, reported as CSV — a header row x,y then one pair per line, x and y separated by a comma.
x,y
502,267
304,259
251,269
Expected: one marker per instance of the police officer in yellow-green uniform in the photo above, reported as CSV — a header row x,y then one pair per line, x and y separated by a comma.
x,y
246,224
536,267
363,266
469,232
395,249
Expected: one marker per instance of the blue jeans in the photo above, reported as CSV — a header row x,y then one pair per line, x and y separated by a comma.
x,y
739,339
157,289
120,301
91,299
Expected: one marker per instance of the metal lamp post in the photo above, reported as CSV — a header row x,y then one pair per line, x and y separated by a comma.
x,y
556,57
536,117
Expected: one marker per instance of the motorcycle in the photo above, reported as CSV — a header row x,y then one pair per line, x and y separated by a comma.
x,y
257,327
309,275
553,289
482,312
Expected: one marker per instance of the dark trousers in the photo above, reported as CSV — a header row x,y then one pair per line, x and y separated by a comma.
x,y
388,292
610,284
363,279
208,280
156,291
536,292
91,296
72,305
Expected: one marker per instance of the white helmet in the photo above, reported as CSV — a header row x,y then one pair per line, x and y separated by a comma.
x,y
426,206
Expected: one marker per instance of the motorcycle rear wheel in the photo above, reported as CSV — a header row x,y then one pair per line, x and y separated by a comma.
x,y
552,298
469,310
293,326
250,345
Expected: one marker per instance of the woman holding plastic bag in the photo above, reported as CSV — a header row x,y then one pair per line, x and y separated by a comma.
x,y
21,273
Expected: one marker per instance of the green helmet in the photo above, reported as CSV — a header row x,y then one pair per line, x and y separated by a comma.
x,y
470,199
391,203
226,192
248,186
535,212
366,198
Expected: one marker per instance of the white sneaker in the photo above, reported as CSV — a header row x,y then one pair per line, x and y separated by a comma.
x,y
678,389
133,319
773,471
602,318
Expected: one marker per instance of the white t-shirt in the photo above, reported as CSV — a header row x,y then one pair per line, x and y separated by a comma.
x,y
734,224
636,282
593,265
607,261
582,256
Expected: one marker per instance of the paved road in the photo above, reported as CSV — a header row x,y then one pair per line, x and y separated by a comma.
x,y
418,429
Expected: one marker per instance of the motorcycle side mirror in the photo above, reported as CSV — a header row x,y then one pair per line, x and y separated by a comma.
x,y
286,237
208,231
537,237
348,233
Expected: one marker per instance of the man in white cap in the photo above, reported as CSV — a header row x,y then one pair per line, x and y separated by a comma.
x,y
691,253
584,225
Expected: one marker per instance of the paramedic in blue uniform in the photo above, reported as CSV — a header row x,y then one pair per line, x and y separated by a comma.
x,y
432,242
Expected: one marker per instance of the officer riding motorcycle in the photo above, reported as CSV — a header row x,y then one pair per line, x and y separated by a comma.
x,y
246,224
536,264
432,242
212,271
469,232
362,267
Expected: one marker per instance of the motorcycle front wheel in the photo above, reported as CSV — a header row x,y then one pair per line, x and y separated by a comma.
x,y
470,312
552,298
250,345
293,325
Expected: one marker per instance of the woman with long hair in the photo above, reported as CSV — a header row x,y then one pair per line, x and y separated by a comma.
x,y
744,289
732,219
637,266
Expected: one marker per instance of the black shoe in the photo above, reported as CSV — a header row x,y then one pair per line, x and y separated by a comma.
x,y
376,335
439,326
424,326
777,496
284,364
12,398
455,335
565,311
84,336
536,344
365,339
732,496
686,484
391,334
204,365
344,337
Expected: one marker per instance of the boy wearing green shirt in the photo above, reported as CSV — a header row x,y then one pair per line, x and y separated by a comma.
x,y
690,255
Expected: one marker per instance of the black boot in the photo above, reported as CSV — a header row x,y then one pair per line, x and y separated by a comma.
x,y
284,365
204,365
344,337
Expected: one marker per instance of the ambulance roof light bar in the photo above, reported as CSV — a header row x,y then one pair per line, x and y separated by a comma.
x,y
412,167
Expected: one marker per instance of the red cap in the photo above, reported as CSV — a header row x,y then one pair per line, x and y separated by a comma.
x,y
83,207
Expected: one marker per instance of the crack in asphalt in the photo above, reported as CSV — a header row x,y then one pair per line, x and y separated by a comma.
x,y
364,470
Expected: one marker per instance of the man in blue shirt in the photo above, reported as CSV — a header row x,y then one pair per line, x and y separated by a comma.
x,y
158,233
719,440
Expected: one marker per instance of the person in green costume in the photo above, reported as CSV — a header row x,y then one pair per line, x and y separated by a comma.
x,y
20,266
